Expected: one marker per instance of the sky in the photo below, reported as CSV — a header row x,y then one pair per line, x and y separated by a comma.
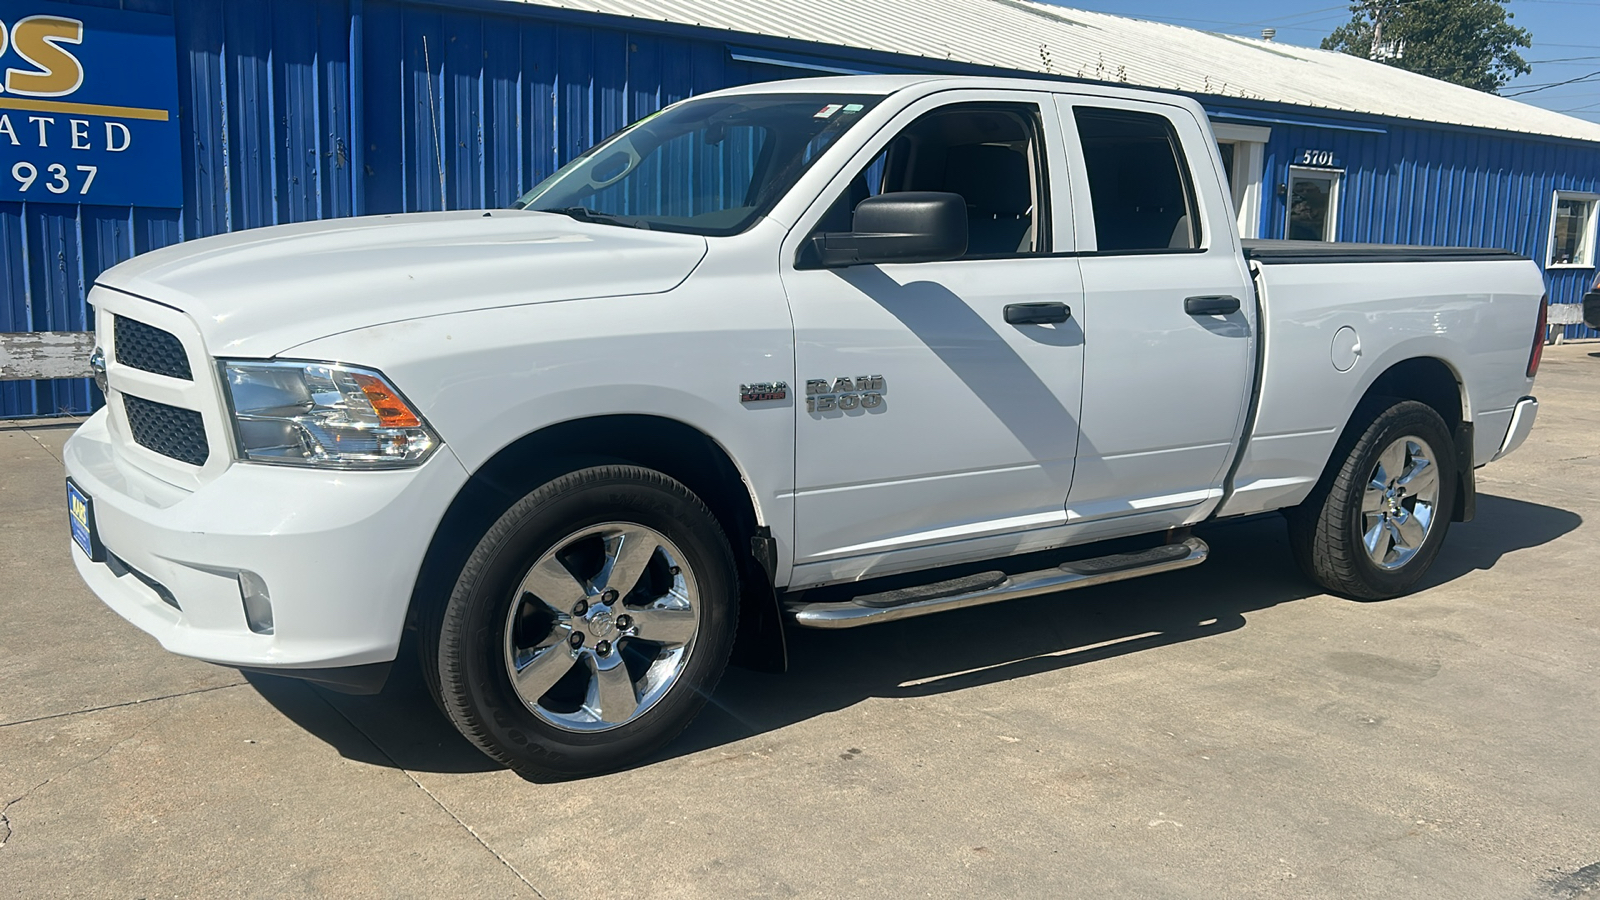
x,y
1566,37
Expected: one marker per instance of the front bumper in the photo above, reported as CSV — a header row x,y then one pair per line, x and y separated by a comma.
x,y
337,551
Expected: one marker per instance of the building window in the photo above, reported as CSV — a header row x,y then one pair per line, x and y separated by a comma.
x,y
1572,230
1313,205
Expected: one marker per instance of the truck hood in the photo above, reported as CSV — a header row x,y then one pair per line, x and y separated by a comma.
x,y
259,292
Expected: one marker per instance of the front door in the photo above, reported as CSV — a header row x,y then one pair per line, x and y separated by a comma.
x,y
924,418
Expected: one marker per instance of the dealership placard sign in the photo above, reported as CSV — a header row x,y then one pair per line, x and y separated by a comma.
x,y
88,106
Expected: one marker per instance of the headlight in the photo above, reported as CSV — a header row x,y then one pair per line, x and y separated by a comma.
x,y
323,414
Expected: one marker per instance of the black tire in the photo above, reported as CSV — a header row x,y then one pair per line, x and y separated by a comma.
x,y
1326,531
475,683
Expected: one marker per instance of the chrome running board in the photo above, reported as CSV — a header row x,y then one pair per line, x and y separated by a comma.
x,y
992,587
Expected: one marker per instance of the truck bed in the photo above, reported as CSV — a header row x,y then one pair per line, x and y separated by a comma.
x,y
1333,325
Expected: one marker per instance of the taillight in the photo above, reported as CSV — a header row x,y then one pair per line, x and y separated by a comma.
x,y
1538,336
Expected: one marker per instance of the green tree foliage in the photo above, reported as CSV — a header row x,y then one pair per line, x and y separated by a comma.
x,y
1469,42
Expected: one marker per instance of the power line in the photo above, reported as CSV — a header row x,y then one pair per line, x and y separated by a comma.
x,y
1343,7
1544,87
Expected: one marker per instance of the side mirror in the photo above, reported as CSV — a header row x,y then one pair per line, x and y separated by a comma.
x,y
907,227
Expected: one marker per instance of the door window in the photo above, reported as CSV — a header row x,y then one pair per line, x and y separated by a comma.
x,y
989,153
1313,205
1138,181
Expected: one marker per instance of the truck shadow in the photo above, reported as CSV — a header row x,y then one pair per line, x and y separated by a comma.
x,y
400,728
1250,570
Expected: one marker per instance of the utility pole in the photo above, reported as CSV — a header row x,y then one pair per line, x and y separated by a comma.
x,y
1381,50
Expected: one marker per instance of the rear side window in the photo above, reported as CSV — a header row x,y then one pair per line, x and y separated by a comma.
x,y
1138,181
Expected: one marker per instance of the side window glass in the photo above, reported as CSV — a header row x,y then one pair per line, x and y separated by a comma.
x,y
992,154
867,183
1138,181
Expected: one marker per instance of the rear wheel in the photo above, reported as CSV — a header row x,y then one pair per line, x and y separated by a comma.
x,y
1373,528
590,623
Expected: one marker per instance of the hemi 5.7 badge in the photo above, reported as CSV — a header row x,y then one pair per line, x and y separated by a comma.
x,y
763,390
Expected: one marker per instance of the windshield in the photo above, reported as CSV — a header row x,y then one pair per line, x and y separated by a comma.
x,y
706,167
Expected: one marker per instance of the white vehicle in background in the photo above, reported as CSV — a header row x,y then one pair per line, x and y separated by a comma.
x,y
836,352
1591,305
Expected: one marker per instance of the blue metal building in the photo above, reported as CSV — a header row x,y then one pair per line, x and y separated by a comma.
x,y
288,110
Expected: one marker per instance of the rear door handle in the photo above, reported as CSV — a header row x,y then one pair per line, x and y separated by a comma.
x,y
1037,313
1211,306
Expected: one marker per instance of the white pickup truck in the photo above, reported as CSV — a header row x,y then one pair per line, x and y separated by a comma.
x,y
823,353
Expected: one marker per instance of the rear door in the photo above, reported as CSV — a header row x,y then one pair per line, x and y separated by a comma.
x,y
1168,316
927,419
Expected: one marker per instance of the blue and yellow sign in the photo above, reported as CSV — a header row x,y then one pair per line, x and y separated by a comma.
x,y
88,106
80,518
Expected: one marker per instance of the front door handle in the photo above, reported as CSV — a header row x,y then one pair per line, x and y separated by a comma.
x,y
1211,306
1037,313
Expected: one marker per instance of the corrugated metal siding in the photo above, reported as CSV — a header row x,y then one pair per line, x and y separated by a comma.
x,y
460,106
266,91
1426,186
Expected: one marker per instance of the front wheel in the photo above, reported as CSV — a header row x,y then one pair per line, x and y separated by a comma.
x,y
1373,528
590,623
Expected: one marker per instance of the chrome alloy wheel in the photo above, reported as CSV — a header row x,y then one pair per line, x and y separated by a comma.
x,y
601,627
1398,504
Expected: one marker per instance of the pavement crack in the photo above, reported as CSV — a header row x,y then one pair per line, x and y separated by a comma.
x,y
140,701
43,446
434,797
470,830
6,829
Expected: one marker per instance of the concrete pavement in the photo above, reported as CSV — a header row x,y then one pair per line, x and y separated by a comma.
x,y
1225,731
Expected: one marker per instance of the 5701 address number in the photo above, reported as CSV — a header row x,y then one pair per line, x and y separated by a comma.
x,y
56,177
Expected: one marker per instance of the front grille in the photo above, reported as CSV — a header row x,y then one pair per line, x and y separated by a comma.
x,y
168,430
150,349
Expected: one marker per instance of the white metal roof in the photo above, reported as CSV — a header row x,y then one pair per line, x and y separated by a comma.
x,y
1037,37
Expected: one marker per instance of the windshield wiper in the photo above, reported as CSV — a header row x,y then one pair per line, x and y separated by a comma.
x,y
585,214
